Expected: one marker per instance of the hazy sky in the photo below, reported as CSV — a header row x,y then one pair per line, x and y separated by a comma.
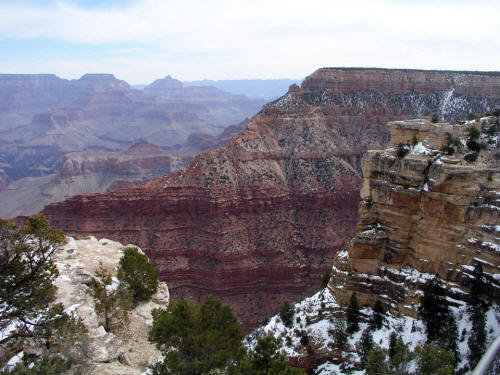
x,y
141,40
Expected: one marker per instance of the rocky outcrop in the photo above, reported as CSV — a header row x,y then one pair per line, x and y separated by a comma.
x,y
429,212
125,351
259,220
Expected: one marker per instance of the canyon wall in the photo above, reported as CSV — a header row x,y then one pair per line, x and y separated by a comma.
x,y
429,212
260,220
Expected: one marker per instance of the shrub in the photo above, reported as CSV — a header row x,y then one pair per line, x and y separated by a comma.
x,y
138,274
112,304
472,157
473,145
414,140
473,132
452,141
402,150
448,150
434,119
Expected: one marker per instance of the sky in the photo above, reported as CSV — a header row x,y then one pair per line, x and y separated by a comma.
x,y
142,40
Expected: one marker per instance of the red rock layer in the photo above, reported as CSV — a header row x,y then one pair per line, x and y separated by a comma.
x,y
259,220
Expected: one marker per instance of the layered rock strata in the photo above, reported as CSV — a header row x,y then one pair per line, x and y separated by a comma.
x,y
426,213
259,220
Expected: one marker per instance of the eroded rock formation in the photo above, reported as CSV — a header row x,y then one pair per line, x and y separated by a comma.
x,y
428,212
259,220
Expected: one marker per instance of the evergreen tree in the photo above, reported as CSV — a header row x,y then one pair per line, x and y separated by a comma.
x,y
26,295
353,314
434,310
196,339
365,345
477,307
112,302
376,363
435,360
325,279
393,339
339,334
378,315
265,359
48,364
138,274
286,312
401,358
26,275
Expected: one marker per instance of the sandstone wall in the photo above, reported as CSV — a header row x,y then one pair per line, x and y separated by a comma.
x,y
424,214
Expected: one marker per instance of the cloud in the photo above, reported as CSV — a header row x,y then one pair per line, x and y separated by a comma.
x,y
236,38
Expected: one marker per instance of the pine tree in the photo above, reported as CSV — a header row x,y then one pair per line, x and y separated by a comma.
x,y
325,279
26,274
339,334
378,315
286,312
376,363
393,338
434,310
26,299
477,308
353,314
401,358
264,359
365,345
204,338
112,302
138,274
435,360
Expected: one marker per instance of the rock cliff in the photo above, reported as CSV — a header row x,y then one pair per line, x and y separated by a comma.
x,y
259,220
429,212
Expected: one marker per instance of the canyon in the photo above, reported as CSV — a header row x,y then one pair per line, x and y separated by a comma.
x,y
93,171
259,220
43,117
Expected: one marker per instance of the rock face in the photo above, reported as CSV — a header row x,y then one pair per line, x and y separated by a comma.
x,y
426,213
259,220
125,351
